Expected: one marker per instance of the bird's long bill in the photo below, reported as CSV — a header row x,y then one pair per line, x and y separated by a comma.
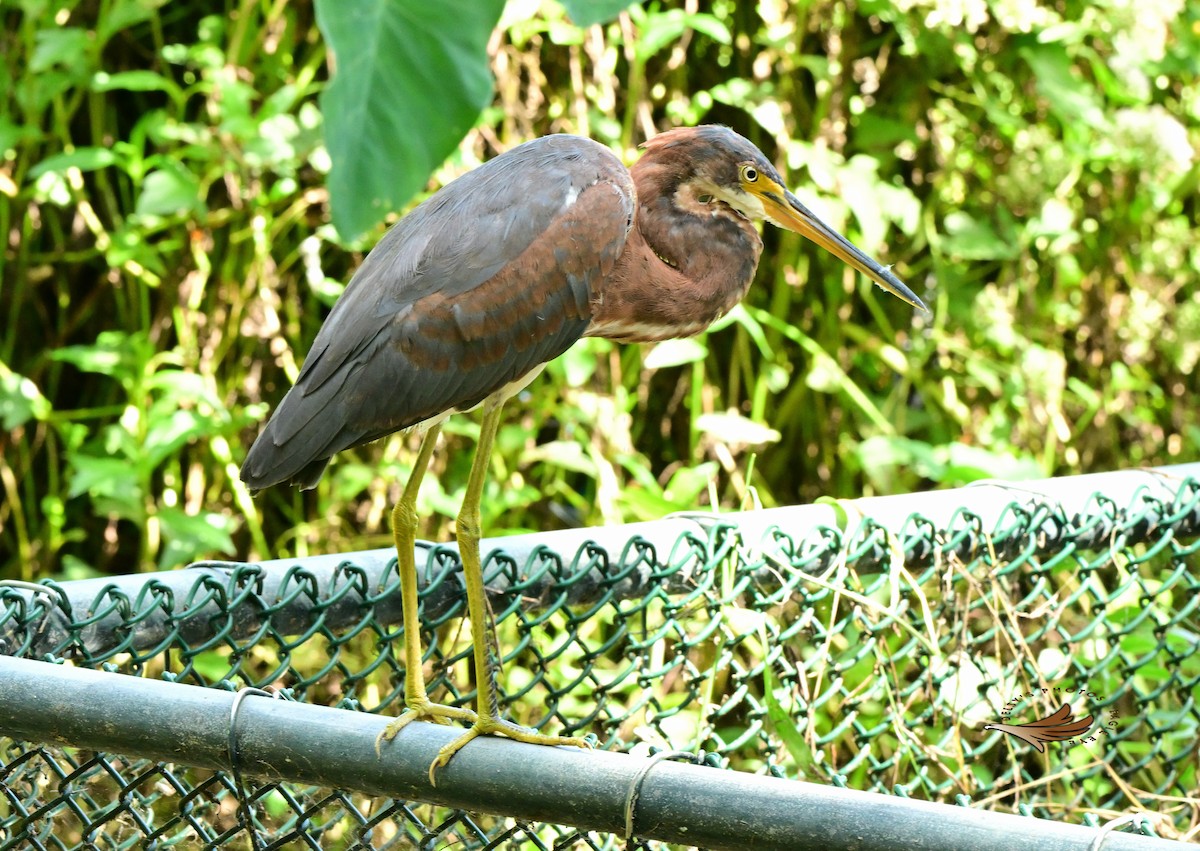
x,y
789,213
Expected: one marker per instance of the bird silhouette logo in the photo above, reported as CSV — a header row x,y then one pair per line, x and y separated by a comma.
x,y
1060,726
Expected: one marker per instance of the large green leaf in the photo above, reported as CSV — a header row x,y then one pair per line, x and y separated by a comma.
x,y
410,79
584,13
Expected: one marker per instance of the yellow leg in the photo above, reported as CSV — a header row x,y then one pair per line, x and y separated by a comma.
x,y
404,534
487,721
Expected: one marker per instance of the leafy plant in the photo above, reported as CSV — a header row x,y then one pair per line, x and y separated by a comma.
x,y
165,180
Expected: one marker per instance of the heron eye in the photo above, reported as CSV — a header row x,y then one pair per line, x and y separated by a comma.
x,y
704,199
749,173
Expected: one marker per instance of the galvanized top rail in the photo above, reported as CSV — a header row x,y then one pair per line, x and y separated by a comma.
x,y
581,566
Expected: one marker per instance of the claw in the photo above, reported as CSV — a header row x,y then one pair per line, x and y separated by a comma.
x,y
427,710
480,726
488,726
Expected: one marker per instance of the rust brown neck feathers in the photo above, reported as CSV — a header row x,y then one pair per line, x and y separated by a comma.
x,y
689,257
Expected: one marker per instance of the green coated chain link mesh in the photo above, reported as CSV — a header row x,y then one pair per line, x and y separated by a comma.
x,y
873,663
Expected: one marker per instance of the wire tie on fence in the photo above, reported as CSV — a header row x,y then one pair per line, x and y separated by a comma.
x,y
216,564
1040,498
244,815
706,520
636,786
55,596
32,587
1111,828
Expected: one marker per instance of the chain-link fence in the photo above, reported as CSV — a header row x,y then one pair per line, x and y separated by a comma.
x,y
879,645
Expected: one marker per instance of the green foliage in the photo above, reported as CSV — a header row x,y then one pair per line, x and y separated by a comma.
x,y
584,13
163,410
168,256
411,79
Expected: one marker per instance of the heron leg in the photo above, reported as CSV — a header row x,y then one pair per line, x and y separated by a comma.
x,y
404,534
486,654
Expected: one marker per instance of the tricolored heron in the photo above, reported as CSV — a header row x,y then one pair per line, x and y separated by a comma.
x,y
467,297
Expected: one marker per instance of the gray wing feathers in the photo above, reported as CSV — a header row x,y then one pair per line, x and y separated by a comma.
x,y
486,280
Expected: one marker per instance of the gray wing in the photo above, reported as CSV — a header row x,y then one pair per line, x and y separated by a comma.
x,y
480,284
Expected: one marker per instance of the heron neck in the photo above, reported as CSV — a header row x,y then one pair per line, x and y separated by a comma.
x,y
684,266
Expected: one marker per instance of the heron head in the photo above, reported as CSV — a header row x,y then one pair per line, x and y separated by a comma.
x,y
725,166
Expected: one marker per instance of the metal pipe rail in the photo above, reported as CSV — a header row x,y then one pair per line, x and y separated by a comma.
x,y
133,611
277,740
976,510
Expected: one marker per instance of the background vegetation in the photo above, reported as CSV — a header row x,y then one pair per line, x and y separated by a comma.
x,y
1029,167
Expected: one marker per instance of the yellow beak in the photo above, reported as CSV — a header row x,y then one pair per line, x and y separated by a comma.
x,y
784,209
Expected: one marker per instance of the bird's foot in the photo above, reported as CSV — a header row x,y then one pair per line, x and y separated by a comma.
x,y
423,710
480,726
488,726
